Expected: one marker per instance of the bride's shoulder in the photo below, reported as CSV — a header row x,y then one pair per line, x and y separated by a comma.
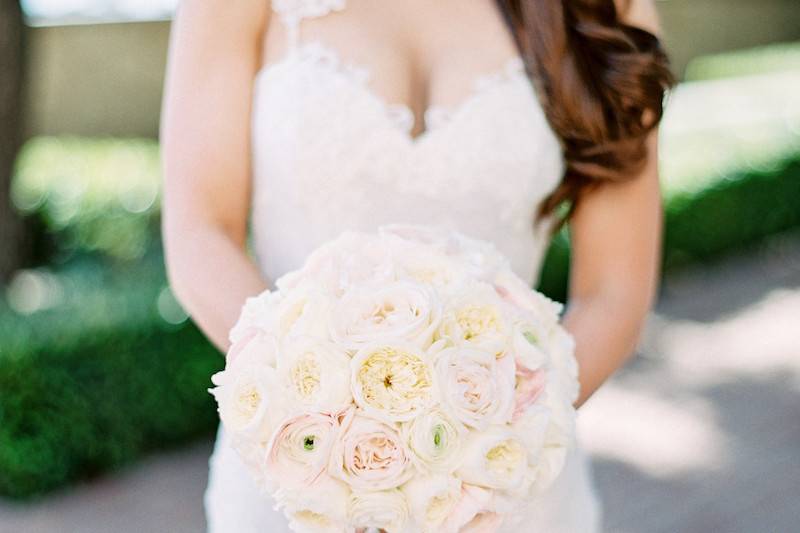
x,y
640,13
247,15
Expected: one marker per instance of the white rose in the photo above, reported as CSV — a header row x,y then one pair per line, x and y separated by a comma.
x,y
434,439
560,344
391,382
477,317
532,427
244,390
481,257
402,311
495,458
512,289
370,455
303,311
431,500
351,259
384,509
474,386
320,509
315,374
253,314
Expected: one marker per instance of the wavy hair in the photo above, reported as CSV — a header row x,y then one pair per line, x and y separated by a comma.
x,y
602,83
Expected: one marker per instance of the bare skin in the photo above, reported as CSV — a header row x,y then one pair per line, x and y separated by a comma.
x,y
216,51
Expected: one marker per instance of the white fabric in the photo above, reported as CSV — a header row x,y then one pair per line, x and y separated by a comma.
x,y
330,155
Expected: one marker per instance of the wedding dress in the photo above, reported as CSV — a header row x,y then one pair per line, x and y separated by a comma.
x,y
329,154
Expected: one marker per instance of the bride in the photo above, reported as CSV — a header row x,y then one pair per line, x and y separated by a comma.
x,y
288,122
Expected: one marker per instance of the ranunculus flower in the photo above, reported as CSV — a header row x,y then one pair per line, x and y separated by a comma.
x,y
315,374
370,455
476,388
391,382
300,448
404,311
319,509
383,509
495,459
431,500
528,387
477,317
434,438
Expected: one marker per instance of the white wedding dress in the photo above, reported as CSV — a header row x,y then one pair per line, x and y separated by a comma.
x,y
330,155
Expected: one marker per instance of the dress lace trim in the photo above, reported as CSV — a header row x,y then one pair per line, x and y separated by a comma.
x,y
293,11
328,61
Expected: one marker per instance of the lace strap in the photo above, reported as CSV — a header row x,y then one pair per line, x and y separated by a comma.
x,y
292,12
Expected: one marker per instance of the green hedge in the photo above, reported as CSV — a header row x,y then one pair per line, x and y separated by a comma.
x,y
108,370
702,225
97,380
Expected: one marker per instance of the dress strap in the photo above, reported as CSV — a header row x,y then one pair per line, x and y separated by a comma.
x,y
292,12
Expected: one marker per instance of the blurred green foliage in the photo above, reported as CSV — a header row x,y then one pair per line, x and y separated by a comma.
x,y
105,372
96,195
772,58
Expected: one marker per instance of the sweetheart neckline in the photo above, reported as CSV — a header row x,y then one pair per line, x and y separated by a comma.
x,y
400,115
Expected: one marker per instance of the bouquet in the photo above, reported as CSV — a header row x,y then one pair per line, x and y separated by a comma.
x,y
405,380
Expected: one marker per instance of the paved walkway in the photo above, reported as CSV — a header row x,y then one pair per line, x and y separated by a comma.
x,y
700,433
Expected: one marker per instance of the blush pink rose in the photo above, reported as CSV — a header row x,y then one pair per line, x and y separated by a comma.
x,y
528,388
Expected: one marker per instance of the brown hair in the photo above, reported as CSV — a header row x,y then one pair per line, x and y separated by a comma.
x,y
602,83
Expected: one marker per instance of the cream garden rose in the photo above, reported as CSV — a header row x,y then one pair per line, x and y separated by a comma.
x,y
383,509
391,382
432,499
403,311
495,458
315,374
477,317
475,387
319,509
370,455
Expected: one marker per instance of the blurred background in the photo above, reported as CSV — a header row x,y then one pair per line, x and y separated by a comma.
x,y
105,423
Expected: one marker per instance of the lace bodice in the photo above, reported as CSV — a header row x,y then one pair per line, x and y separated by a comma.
x,y
329,154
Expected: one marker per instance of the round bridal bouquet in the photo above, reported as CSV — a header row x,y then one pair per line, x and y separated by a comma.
x,y
405,380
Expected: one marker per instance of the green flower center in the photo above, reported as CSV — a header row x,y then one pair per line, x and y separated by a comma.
x,y
437,435
530,337
308,442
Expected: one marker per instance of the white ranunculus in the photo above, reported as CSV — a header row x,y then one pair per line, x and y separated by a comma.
x,y
403,311
383,509
434,438
431,500
495,458
315,374
477,317
474,386
370,455
391,382
560,344
532,427
529,344
300,448
482,259
319,509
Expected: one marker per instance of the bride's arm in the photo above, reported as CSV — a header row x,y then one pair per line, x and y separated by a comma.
x,y
214,53
616,241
